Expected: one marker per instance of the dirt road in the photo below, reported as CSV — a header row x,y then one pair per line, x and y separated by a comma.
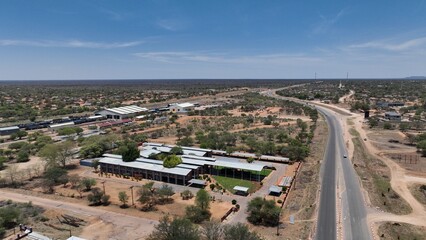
x,y
111,225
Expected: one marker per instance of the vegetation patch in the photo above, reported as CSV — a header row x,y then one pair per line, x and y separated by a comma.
x,y
375,177
402,231
229,183
419,192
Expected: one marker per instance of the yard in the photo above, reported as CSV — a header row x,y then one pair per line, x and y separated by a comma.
x,y
229,183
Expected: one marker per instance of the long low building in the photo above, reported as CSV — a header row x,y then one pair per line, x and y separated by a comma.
x,y
8,130
191,167
122,112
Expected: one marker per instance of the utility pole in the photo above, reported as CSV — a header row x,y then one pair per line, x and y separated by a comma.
x,y
103,184
131,189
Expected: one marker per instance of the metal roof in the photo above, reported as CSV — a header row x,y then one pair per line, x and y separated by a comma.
x,y
9,128
159,162
146,166
62,124
392,114
197,181
268,157
199,158
127,109
185,105
241,189
275,189
112,155
239,165
147,152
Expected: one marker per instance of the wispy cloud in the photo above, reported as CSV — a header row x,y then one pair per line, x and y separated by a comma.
x,y
114,15
172,24
327,22
180,57
68,43
391,45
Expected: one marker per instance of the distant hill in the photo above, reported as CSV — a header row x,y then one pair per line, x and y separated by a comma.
x,y
416,77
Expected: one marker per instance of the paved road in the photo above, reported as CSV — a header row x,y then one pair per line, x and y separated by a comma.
x,y
352,203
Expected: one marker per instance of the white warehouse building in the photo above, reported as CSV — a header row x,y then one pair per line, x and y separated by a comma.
x,y
121,112
181,107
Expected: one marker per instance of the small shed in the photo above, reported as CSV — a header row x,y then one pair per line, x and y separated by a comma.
x,y
197,182
275,190
241,190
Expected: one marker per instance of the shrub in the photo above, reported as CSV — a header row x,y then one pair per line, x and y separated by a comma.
x,y
212,186
172,161
234,201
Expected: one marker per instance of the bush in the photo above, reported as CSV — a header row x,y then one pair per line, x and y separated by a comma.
x,y
187,195
212,186
280,201
263,212
197,215
234,201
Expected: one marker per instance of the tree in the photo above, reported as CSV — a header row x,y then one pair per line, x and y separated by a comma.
x,y
95,164
196,215
147,196
172,161
186,141
387,126
263,212
422,147
165,191
411,138
176,150
74,179
55,174
88,183
250,159
19,134
23,156
124,198
213,231
97,197
130,151
202,199
239,231
57,154
178,228
187,194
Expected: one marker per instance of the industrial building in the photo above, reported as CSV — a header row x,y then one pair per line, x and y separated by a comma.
x,y
122,112
181,107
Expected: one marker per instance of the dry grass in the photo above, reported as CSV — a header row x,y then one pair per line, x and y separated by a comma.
x,y
375,177
419,194
402,231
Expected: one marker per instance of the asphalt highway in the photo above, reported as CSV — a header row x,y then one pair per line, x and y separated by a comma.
x,y
353,209
337,170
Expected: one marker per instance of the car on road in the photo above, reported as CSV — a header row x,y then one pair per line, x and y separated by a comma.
x,y
344,156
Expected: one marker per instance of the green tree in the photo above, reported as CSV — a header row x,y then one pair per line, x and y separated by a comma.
x,y
172,161
202,199
196,215
57,154
178,228
176,150
422,147
124,198
97,197
239,231
23,156
213,230
165,191
263,212
88,183
130,151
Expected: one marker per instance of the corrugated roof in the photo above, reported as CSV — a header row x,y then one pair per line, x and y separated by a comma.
x,y
146,166
9,128
127,109
185,105
159,162
199,158
95,117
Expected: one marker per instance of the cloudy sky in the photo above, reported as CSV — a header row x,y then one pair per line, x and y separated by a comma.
x,y
83,39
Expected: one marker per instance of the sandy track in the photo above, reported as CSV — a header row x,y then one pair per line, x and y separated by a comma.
x,y
111,225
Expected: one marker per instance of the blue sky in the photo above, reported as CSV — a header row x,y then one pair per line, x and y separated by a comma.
x,y
83,39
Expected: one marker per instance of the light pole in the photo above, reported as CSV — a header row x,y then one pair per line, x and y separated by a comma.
x,y
131,189
278,223
103,184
